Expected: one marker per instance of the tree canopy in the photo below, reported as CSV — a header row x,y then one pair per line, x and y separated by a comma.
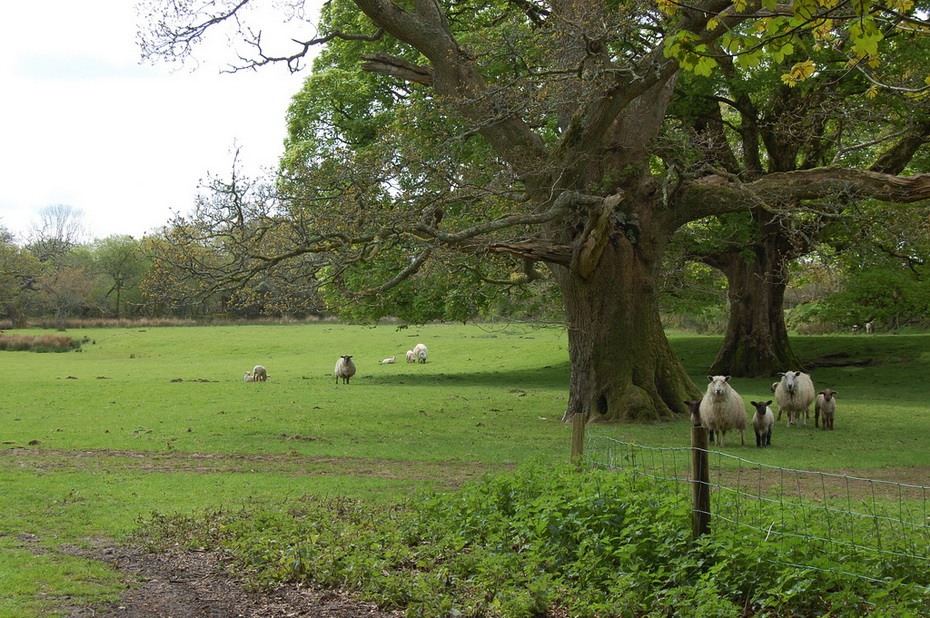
x,y
524,140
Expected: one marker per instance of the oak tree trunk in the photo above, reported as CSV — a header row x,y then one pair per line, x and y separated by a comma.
x,y
756,342
623,367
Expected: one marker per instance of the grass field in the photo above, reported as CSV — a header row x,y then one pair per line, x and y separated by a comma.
x,y
94,440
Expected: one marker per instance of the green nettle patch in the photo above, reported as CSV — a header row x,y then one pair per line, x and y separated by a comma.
x,y
39,343
543,541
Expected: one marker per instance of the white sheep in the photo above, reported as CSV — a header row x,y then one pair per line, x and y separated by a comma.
x,y
259,373
388,361
345,369
411,356
794,394
870,326
722,409
421,352
762,422
826,405
248,377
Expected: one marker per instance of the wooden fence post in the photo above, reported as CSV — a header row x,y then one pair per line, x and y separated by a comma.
x,y
578,422
700,482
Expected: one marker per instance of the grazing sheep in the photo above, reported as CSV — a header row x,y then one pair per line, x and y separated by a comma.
x,y
855,329
870,326
411,356
345,369
763,421
388,361
794,394
722,409
826,405
421,352
259,373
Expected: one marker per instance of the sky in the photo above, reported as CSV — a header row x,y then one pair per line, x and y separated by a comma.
x,y
84,122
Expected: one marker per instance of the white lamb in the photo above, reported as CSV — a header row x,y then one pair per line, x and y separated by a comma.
x,y
388,361
248,377
794,394
411,356
722,409
421,352
826,405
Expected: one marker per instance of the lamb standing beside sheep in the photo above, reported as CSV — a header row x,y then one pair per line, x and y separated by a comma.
x,y
258,374
345,369
411,356
421,352
722,409
794,394
763,421
826,405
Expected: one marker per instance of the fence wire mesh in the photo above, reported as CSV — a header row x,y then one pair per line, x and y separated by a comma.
x,y
846,515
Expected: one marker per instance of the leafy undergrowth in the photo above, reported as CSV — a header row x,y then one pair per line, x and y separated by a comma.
x,y
545,542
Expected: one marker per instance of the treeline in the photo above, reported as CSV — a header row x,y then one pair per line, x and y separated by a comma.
x,y
878,272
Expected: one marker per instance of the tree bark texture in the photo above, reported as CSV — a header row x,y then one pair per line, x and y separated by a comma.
x,y
756,343
622,365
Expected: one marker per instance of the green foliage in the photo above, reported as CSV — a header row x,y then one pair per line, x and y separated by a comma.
x,y
582,541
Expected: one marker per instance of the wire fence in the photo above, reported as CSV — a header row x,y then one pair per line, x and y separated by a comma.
x,y
845,514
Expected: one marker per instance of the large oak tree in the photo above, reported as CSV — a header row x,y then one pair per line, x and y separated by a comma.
x,y
530,130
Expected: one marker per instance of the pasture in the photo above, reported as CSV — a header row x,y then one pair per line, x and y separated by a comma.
x,y
158,420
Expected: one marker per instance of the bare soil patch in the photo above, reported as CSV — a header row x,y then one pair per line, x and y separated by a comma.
x,y
189,584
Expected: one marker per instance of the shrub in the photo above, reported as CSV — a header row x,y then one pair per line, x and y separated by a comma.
x,y
38,343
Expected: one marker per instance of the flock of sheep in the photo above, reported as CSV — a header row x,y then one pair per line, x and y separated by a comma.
x,y
345,368
721,409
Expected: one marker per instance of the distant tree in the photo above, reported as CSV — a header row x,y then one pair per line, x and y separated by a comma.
x,y
119,260
19,273
59,229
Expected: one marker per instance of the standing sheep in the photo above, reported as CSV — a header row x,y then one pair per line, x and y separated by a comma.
x,y
870,326
411,356
794,394
259,373
722,409
345,369
421,352
763,421
826,405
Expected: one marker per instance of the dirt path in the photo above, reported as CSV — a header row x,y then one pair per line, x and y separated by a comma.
x,y
197,585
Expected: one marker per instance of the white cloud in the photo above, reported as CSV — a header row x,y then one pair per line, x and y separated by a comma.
x,y
82,123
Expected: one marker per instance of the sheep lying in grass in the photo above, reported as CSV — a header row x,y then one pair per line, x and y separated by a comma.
x,y
421,352
345,369
722,409
248,377
762,422
794,394
826,405
388,361
411,356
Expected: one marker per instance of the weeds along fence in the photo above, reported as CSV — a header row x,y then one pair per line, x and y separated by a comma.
x,y
880,521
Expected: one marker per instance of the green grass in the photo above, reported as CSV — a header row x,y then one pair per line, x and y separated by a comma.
x,y
94,440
